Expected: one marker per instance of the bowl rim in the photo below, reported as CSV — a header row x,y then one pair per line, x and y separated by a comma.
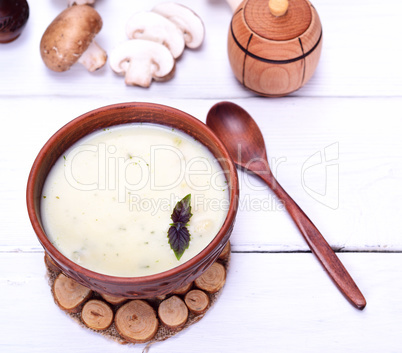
x,y
153,278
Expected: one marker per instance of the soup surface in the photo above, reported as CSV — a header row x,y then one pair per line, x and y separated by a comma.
x,y
107,202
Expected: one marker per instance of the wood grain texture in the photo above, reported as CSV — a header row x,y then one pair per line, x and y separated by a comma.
x,y
245,143
276,296
274,56
356,205
261,21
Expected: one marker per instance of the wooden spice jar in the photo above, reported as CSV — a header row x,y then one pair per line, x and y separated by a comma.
x,y
274,45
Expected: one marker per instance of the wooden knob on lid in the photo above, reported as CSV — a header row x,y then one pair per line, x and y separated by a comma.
x,y
274,45
278,7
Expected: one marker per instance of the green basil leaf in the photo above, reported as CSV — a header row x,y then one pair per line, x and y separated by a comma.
x,y
178,234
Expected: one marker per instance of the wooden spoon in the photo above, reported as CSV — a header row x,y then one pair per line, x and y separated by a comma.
x,y
245,143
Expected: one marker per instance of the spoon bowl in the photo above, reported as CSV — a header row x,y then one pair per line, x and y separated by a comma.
x,y
233,120
245,143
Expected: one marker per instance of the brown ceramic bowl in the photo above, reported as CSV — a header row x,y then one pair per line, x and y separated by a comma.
x,y
133,287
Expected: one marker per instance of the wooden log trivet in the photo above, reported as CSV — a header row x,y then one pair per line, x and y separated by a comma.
x,y
69,295
97,314
197,301
93,313
173,313
213,279
136,321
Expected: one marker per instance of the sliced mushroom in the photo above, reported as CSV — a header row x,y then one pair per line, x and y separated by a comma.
x,y
154,27
186,19
141,61
69,38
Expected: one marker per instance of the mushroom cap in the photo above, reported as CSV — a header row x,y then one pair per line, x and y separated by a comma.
x,y
186,19
68,36
152,26
141,61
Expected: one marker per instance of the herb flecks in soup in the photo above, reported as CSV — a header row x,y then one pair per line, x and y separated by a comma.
x,y
108,200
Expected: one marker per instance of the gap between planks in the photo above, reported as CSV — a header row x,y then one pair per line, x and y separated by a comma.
x,y
27,250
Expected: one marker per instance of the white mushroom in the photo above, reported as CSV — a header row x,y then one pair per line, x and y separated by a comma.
x,y
151,26
80,2
141,61
184,18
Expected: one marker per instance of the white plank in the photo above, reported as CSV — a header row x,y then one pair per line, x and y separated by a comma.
x,y
360,55
359,211
275,302
279,302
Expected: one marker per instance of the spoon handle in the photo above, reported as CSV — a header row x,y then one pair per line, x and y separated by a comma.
x,y
319,246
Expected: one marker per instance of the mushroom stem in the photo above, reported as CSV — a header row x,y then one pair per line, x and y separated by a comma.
x,y
138,73
141,61
80,2
93,58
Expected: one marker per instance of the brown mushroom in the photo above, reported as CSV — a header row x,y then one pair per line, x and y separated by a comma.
x,y
69,38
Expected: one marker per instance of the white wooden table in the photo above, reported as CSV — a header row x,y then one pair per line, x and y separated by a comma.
x,y
277,297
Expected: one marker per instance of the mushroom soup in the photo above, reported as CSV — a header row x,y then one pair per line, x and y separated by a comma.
x,y
107,202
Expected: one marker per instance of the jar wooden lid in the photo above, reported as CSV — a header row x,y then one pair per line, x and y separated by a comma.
x,y
274,45
292,24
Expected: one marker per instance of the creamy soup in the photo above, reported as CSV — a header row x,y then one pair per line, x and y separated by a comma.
x,y
107,202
